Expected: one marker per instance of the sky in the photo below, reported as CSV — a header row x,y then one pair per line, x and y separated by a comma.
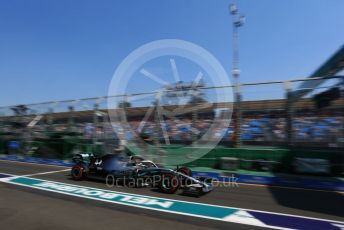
x,y
62,49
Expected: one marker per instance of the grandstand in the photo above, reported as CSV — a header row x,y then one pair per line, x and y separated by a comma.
x,y
255,113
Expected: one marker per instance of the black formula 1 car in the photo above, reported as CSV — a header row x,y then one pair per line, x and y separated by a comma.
x,y
117,169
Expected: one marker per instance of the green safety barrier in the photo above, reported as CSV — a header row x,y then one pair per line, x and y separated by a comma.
x,y
63,147
282,158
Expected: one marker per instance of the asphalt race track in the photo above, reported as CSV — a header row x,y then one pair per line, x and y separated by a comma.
x,y
29,208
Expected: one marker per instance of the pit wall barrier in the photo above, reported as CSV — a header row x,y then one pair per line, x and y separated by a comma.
x,y
304,182
283,158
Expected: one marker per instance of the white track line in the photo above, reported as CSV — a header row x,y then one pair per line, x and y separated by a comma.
x,y
44,173
32,163
11,176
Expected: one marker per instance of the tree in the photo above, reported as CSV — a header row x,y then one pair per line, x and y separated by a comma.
x,y
124,104
19,110
197,99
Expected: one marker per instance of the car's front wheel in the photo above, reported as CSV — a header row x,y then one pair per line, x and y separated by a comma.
x,y
169,183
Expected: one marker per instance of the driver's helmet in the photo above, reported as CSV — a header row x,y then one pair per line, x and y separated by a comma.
x,y
136,159
118,150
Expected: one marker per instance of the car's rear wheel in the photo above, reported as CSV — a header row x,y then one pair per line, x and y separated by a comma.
x,y
78,172
169,183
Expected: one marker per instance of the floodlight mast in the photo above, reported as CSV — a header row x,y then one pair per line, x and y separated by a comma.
x,y
237,21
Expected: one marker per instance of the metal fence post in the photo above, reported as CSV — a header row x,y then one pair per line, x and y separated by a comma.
x,y
123,108
289,114
71,118
95,122
194,120
50,117
157,124
237,124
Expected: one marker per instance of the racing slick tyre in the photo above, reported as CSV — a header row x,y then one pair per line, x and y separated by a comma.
x,y
186,171
169,183
78,172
